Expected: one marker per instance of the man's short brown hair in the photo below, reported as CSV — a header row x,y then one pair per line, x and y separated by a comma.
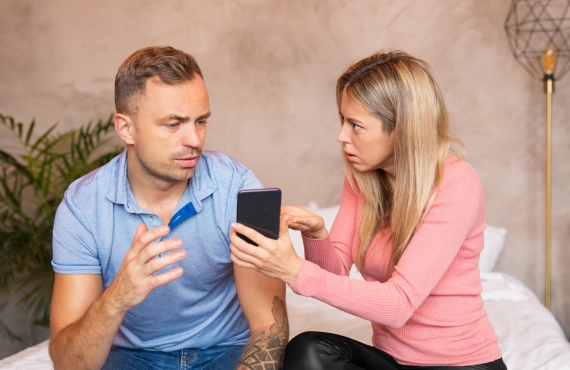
x,y
171,65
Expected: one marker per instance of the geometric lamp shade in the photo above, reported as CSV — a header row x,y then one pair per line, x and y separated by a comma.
x,y
532,25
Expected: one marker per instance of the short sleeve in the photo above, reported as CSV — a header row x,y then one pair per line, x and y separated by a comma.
x,y
247,180
74,248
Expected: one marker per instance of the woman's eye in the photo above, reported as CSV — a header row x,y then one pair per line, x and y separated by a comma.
x,y
355,127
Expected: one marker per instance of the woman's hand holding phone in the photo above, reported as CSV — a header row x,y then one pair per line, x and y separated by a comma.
x,y
273,258
312,226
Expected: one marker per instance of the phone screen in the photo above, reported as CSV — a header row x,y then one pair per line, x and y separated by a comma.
x,y
260,209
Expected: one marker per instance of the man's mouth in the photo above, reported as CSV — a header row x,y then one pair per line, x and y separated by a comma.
x,y
188,162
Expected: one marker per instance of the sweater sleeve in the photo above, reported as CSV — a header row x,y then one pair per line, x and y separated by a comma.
x,y
429,254
333,253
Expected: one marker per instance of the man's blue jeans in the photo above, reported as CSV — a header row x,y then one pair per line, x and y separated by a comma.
x,y
213,358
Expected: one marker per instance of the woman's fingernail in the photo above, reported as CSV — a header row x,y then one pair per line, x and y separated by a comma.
x,y
233,225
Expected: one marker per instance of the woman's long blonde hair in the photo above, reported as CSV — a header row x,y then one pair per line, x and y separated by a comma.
x,y
400,91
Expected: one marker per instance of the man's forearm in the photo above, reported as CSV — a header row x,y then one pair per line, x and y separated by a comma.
x,y
85,344
265,348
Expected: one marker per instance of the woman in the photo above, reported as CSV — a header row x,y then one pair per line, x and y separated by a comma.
x,y
411,219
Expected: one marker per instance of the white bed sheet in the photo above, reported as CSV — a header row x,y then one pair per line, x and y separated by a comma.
x,y
529,336
32,358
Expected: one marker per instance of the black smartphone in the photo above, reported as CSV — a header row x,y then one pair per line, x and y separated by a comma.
x,y
260,209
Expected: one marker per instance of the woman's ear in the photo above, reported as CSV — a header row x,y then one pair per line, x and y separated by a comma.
x,y
124,126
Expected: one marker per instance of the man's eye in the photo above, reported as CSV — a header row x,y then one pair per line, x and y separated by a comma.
x,y
201,123
172,125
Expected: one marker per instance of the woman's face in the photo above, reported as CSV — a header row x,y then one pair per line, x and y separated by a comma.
x,y
366,146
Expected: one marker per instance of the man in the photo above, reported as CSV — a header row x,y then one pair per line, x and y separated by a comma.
x,y
141,252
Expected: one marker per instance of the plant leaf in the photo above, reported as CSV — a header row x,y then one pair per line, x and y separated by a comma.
x,y
30,131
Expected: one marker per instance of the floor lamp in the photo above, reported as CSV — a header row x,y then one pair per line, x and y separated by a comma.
x,y
539,33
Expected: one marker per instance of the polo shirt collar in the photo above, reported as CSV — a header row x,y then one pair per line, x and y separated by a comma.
x,y
201,184
119,189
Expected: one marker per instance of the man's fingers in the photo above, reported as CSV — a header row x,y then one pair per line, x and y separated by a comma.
x,y
141,229
153,234
167,277
142,239
148,237
135,244
157,264
154,249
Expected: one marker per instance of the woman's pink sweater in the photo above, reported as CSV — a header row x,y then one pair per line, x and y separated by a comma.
x,y
430,311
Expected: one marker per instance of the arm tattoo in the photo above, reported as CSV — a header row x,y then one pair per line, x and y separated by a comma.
x,y
265,349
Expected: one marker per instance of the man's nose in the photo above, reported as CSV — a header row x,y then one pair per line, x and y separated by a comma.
x,y
191,136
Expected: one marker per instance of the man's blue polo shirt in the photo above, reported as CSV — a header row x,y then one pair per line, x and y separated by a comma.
x,y
94,227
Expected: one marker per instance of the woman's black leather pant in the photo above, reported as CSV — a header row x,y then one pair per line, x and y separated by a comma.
x,y
324,351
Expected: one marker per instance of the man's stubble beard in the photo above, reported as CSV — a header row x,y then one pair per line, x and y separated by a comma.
x,y
153,169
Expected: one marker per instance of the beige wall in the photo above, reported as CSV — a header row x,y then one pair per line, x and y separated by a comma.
x,y
271,67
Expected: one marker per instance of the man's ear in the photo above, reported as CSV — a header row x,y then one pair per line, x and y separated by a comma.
x,y
124,126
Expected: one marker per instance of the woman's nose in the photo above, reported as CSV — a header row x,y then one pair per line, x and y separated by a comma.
x,y
343,136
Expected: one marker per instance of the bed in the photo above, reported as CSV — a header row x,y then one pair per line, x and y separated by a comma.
x,y
529,336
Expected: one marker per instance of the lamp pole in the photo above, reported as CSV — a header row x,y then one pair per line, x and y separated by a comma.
x,y
548,62
530,25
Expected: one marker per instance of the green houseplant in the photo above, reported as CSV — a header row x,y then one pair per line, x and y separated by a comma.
x,y
32,184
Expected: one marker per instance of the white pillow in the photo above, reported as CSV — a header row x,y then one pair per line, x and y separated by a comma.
x,y
494,241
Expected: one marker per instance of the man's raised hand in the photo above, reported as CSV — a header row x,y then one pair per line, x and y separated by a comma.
x,y
136,277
